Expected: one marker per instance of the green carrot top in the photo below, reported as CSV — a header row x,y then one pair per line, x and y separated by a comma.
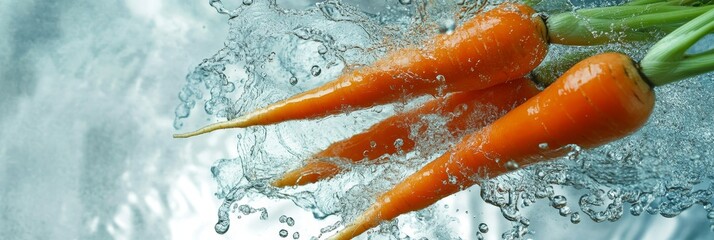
x,y
639,20
667,61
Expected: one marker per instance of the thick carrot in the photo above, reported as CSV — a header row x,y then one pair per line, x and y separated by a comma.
x,y
478,107
600,99
502,44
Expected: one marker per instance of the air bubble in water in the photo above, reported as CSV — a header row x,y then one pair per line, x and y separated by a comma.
x,y
247,2
405,2
559,201
483,227
290,221
282,218
293,81
372,144
479,236
283,233
440,78
575,218
296,235
315,71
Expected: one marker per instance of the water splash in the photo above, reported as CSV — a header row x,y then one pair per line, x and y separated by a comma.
x,y
275,51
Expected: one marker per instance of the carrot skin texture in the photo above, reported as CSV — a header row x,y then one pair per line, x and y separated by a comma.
x,y
493,47
379,139
600,99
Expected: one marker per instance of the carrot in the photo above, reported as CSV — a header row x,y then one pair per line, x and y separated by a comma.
x,y
601,99
502,44
379,139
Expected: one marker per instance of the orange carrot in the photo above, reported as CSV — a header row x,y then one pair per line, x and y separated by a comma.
x,y
481,107
600,99
499,45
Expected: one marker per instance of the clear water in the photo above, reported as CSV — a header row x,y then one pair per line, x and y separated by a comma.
x,y
91,92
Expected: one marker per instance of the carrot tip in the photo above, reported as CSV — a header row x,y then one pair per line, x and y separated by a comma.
x,y
235,123
367,220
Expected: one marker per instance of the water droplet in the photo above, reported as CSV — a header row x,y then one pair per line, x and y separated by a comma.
x,y
447,26
483,227
511,165
222,227
290,221
564,211
283,233
282,218
229,87
247,2
296,235
613,193
178,124
405,2
293,81
398,143
452,179
263,214
315,71
479,236
575,218
543,146
322,49
558,201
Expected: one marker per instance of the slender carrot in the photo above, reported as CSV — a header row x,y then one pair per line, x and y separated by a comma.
x,y
379,139
601,99
502,44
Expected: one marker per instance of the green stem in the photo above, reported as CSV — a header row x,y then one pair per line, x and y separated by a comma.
x,y
625,23
667,61
671,2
